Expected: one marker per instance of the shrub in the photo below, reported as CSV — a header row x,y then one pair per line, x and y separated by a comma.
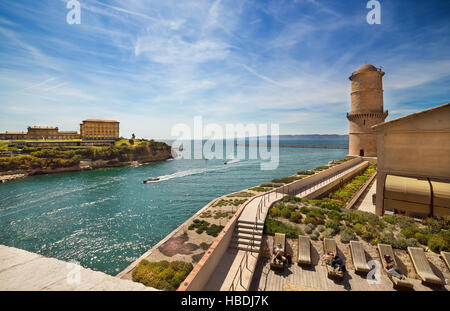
x,y
321,228
359,229
291,198
422,238
390,220
314,218
296,217
388,235
331,204
259,189
270,184
309,228
304,210
161,275
409,232
400,243
334,215
333,224
438,243
214,230
204,246
285,213
411,242
305,173
315,235
329,233
274,211
347,235
273,226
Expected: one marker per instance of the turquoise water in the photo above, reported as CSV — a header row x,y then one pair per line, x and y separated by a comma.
x,y
107,218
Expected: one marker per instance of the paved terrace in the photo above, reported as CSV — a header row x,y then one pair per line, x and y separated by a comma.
x,y
24,271
314,278
236,267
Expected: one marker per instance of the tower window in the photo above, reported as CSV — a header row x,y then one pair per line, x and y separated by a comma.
x,y
364,122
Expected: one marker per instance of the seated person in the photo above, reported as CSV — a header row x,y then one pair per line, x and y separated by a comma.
x,y
392,268
279,254
337,263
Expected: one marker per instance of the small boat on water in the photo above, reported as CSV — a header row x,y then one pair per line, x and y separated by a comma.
x,y
150,179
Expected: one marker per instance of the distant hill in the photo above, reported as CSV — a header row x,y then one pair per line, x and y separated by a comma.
x,y
314,137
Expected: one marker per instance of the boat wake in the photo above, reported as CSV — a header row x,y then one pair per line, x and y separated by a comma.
x,y
195,171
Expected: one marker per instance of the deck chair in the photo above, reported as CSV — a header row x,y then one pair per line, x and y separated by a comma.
x,y
446,257
386,249
329,245
359,257
304,250
279,238
422,266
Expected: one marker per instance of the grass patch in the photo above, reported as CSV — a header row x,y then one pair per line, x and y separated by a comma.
x,y
259,189
273,226
234,202
162,275
241,194
201,226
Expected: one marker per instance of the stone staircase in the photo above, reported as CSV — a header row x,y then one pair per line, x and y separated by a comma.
x,y
245,232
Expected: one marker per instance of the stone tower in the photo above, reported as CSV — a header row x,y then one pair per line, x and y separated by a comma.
x,y
366,110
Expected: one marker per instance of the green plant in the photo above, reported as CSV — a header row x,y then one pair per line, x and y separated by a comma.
x,y
259,189
412,242
204,246
439,242
333,224
291,198
321,228
422,238
409,232
315,235
272,226
304,210
296,217
305,173
309,228
347,235
161,275
331,204
400,243
329,233
390,220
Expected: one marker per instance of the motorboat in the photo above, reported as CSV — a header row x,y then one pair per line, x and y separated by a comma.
x,y
150,179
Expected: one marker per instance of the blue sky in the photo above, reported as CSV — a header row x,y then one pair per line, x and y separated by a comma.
x,y
152,64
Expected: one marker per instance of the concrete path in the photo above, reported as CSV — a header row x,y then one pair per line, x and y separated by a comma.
x,y
366,203
24,271
324,183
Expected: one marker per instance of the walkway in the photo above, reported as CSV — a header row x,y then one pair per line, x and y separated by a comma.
x,y
365,203
323,183
24,271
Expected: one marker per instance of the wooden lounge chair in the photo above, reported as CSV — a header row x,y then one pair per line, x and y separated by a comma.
x,y
422,266
329,246
359,257
304,250
446,257
386,249
279,238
